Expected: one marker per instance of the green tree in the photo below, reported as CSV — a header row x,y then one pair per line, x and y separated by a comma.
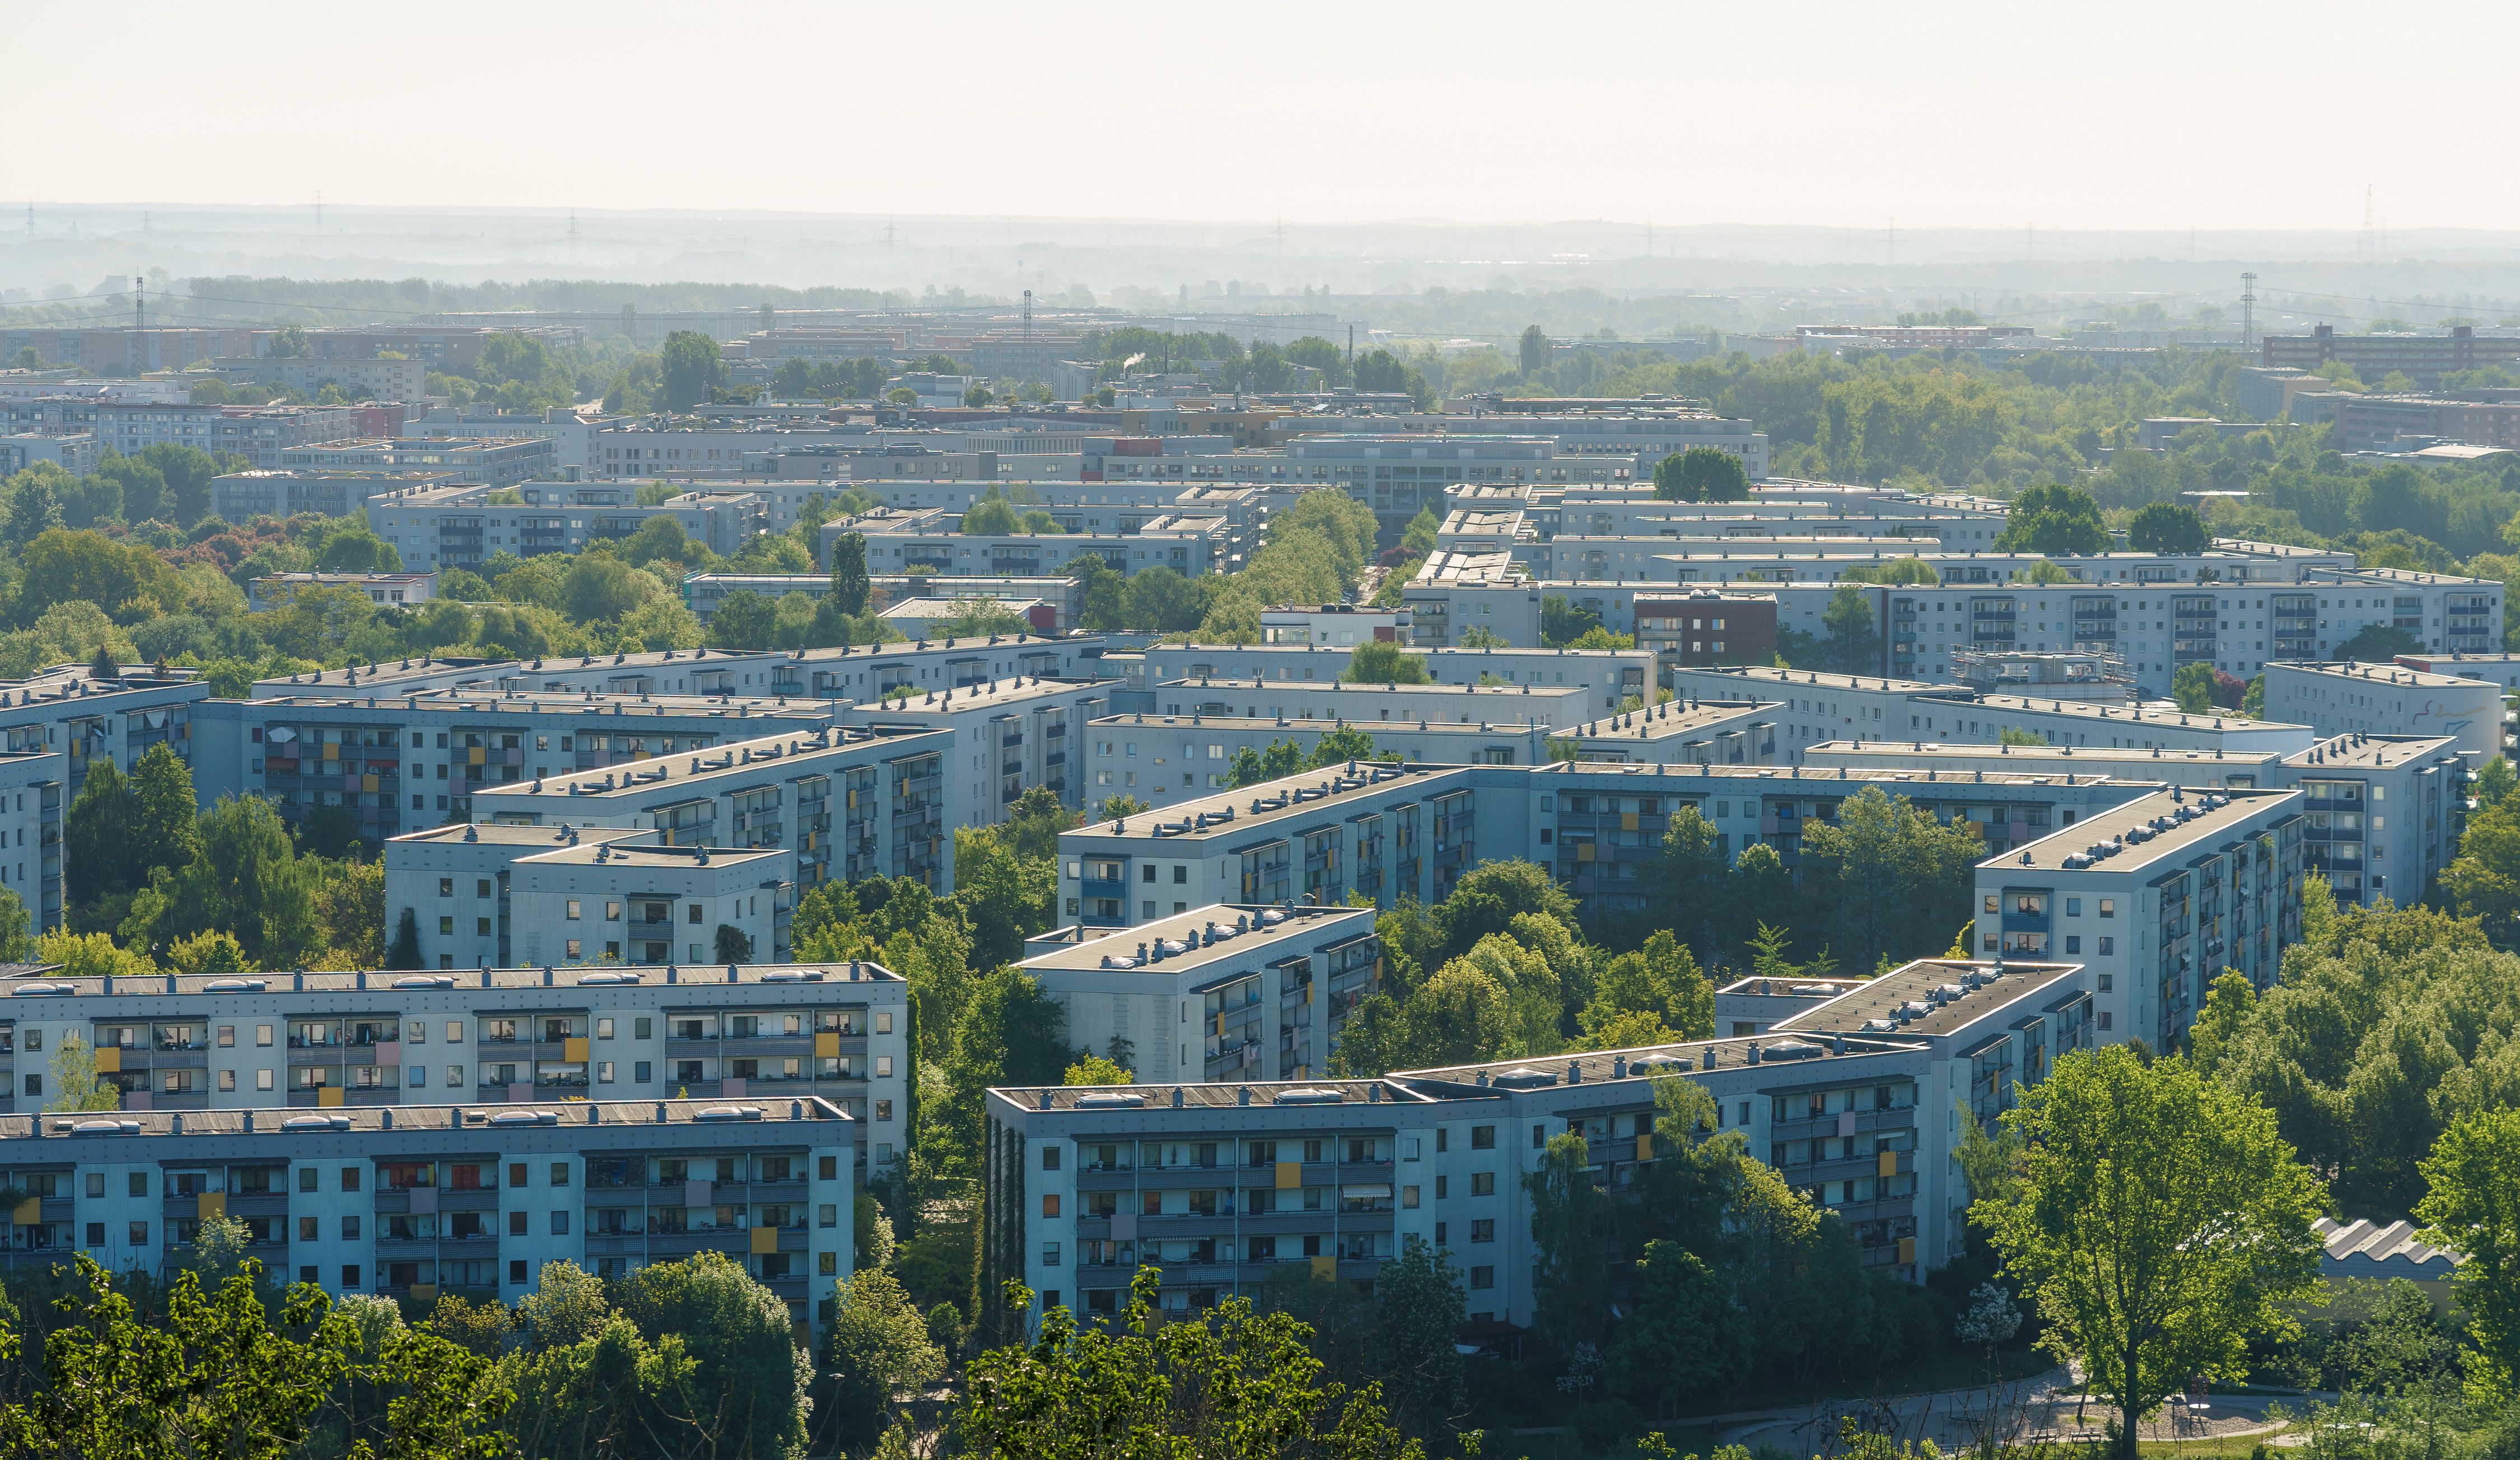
x,y
1852,645
877,1351
352,547
98,833
1240,1383
76,1085
215,1373
743,619
1887,878
1418,540
733,945
2218,1022
2192,686
693,366
1570,1280
600,588
851,588
165,829
1683,1336
1491,896
747,1377
2055,522
1381,662
245,879
1008,1033
2494,782
2159,1226
1419,1310
2165,527
1532,349
1701,474
2379,644
1099,596
2472,1206
1457,1017
1659,980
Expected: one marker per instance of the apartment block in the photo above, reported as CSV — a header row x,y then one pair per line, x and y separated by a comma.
x,y
89,719
397,762
2155,898
384,590
1461,703
323,1040
851,802
448,1201
1225,1185
1814,708
2233,611
1612,676
491,896
2339,698
1002,737
702,592
864,672
2384,812
1386,832
492,463
33,801
465,525
933,543
260,434
1262,992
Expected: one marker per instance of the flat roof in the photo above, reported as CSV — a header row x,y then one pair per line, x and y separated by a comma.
x,y
2397,675
1204,935
1930,751
1338,688
1931,997
762,757
676,858
36,981
1117,1099
1013,689
500,834
2361,750
2147,829
1851,778
332,1119
1249,809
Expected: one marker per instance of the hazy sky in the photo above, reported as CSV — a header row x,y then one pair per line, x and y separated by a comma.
x,y
2087,116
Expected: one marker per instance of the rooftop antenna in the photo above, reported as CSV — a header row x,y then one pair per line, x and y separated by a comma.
x,y
1027,314
2248,309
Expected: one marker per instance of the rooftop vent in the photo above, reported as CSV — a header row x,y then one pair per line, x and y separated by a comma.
x,y
1108,1100
1308,1095
237,986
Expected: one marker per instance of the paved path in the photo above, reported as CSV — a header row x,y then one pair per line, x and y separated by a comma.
x,y
2042,1406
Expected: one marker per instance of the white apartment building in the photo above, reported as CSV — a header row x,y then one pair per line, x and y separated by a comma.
x,y
2155,898
1261,992
2339,698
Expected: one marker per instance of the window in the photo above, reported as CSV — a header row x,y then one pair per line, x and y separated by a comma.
x,y
1482,1138
1483,1184
349,1179
2073,907
884,1067
261,1036
306,1228
2108,946
2073,943
139,1183
1482,1277
262,1079
573,914
227,1037
603,1028
2108,907
559,1173
1483,1229
559,1223
1409,1196
516,1225
1050,1255
305,1178
1990,899
453,1031
1050,1157
883,1023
